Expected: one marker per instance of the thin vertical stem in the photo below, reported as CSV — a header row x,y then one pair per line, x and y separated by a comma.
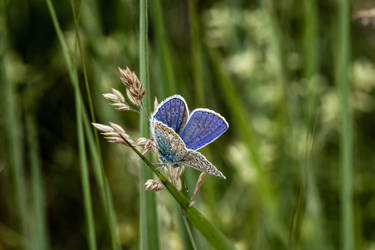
x,y
189,233
85,176
149,233
207,229
83,61
196,50
308,202
199,99
94,147
164,45
81,52
14,134
168,73
81,141
311,52
347,236
103,185
40,235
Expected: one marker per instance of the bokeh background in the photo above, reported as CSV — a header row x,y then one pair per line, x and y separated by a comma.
x,y
269,67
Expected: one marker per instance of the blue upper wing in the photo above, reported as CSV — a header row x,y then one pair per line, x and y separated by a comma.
x,y
173,112
203,127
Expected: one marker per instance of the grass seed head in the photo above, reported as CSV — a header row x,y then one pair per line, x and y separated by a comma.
x,y
154,185
134,88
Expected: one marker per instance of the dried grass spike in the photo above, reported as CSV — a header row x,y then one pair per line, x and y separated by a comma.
x,y
110,97
119,95
117,100
102,127
121,106
141,141
117,128
134,88
153,185
133,98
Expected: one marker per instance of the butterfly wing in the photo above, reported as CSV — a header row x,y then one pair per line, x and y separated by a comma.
x,y
171,148
197,161
173,112
203,127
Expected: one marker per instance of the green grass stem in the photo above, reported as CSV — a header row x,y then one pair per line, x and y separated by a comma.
x,y
311,52
94,147
199,100
14,134
168,74
346,148
149,231
187,237
163,44
308,201
80,133
84,68
207,229
85,176
102,182
196,52
189,233
40,239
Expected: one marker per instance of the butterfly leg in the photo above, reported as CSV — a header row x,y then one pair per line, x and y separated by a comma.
x,y
161,164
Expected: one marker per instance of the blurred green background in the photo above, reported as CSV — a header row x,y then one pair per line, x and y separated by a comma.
x,y
271,68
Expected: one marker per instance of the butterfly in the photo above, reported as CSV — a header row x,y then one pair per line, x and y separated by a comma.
x,y
179,135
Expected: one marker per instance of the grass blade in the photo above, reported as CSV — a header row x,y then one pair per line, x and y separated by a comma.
x,y
13,133
164,47
308,203
40,232
207,229
102,182
347,236
167,73
85,176
94,147
149,232
82,55
198,68
196,50
189,233
81,141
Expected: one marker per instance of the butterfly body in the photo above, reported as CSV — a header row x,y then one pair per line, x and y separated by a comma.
x,y
171,148
179,135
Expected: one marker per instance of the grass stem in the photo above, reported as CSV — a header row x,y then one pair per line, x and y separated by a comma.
x,y
149,232
208,230
81,141
40,231
13,133
343,83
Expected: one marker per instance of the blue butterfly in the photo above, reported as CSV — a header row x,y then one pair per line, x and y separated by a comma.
x,y
178,134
